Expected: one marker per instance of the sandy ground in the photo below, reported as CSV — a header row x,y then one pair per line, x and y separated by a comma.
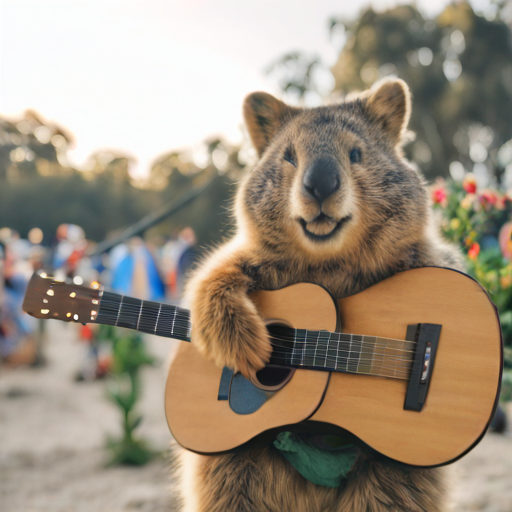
x,y
53,430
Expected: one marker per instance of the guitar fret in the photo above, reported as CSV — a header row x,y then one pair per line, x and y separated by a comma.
x,y
140,312
326,351
165,325
304,348
345,351
126,317
331,354
359,355
322,346
108,308
158,316
349,353
367,355
147,321
337,352
292,356
316,349
119,310
173,320
355,352
310,350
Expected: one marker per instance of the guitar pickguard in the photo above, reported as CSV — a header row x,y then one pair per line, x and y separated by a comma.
x,y
244,396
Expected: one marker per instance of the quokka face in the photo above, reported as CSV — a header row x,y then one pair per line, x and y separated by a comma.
x,y
331,180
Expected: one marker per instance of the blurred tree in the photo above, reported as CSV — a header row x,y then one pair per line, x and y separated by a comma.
x,y
296,74
459,68
38,187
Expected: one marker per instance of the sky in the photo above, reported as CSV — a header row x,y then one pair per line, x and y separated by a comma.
x,y
145,77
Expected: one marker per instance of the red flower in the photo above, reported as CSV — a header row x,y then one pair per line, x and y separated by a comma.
x,y
488,198
439,195
469,184
474,250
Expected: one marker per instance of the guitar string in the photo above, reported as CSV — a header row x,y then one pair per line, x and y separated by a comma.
x,y
351,360
182,321
370,374
378,361
185,322
381,357
339,343
343,361
376,346
363,345
343,367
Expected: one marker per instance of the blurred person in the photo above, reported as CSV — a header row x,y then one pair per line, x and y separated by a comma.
x,y
170,254
69,248
17,340
37,258
187,257
135,272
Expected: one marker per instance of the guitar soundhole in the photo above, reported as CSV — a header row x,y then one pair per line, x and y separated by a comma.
x,y
274,377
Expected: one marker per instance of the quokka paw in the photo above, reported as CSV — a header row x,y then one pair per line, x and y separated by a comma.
x,y
227,328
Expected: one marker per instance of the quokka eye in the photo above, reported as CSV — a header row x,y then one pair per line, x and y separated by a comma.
x,y
289,156
355,155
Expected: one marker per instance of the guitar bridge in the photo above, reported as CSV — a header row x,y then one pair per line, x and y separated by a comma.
x,y
426,337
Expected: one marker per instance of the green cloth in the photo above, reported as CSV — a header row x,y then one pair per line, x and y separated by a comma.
x,y
323,460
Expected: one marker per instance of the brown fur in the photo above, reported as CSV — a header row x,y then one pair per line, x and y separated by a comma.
x,y
284,236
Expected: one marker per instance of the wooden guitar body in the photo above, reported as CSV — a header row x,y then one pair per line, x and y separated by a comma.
x,y
409,368
461,399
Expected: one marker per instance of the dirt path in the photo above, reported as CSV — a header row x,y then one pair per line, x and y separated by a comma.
x,y
52,433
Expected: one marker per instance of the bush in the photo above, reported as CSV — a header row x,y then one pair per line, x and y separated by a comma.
x,y
480,222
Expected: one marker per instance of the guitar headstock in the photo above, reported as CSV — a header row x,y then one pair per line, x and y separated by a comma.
x,y
47,298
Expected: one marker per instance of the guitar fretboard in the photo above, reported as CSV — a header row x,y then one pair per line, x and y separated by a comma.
x,y
342,352
144,315
297,348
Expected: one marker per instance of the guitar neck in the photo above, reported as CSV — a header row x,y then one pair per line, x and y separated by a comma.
x,y
144,316
297,348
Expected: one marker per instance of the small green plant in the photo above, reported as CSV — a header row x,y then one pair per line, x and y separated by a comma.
x,y
129,355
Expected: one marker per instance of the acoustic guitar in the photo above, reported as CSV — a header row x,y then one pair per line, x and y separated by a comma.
x,y
409,368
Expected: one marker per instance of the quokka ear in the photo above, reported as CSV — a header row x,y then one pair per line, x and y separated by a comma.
x,y
264,115
389,103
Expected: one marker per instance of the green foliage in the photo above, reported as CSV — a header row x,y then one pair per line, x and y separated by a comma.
x,y
456,66
129,355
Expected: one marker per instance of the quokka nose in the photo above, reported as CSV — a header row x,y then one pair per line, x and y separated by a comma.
x,y
322,178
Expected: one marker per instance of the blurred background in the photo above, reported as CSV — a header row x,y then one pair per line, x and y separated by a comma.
x,y
121,145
